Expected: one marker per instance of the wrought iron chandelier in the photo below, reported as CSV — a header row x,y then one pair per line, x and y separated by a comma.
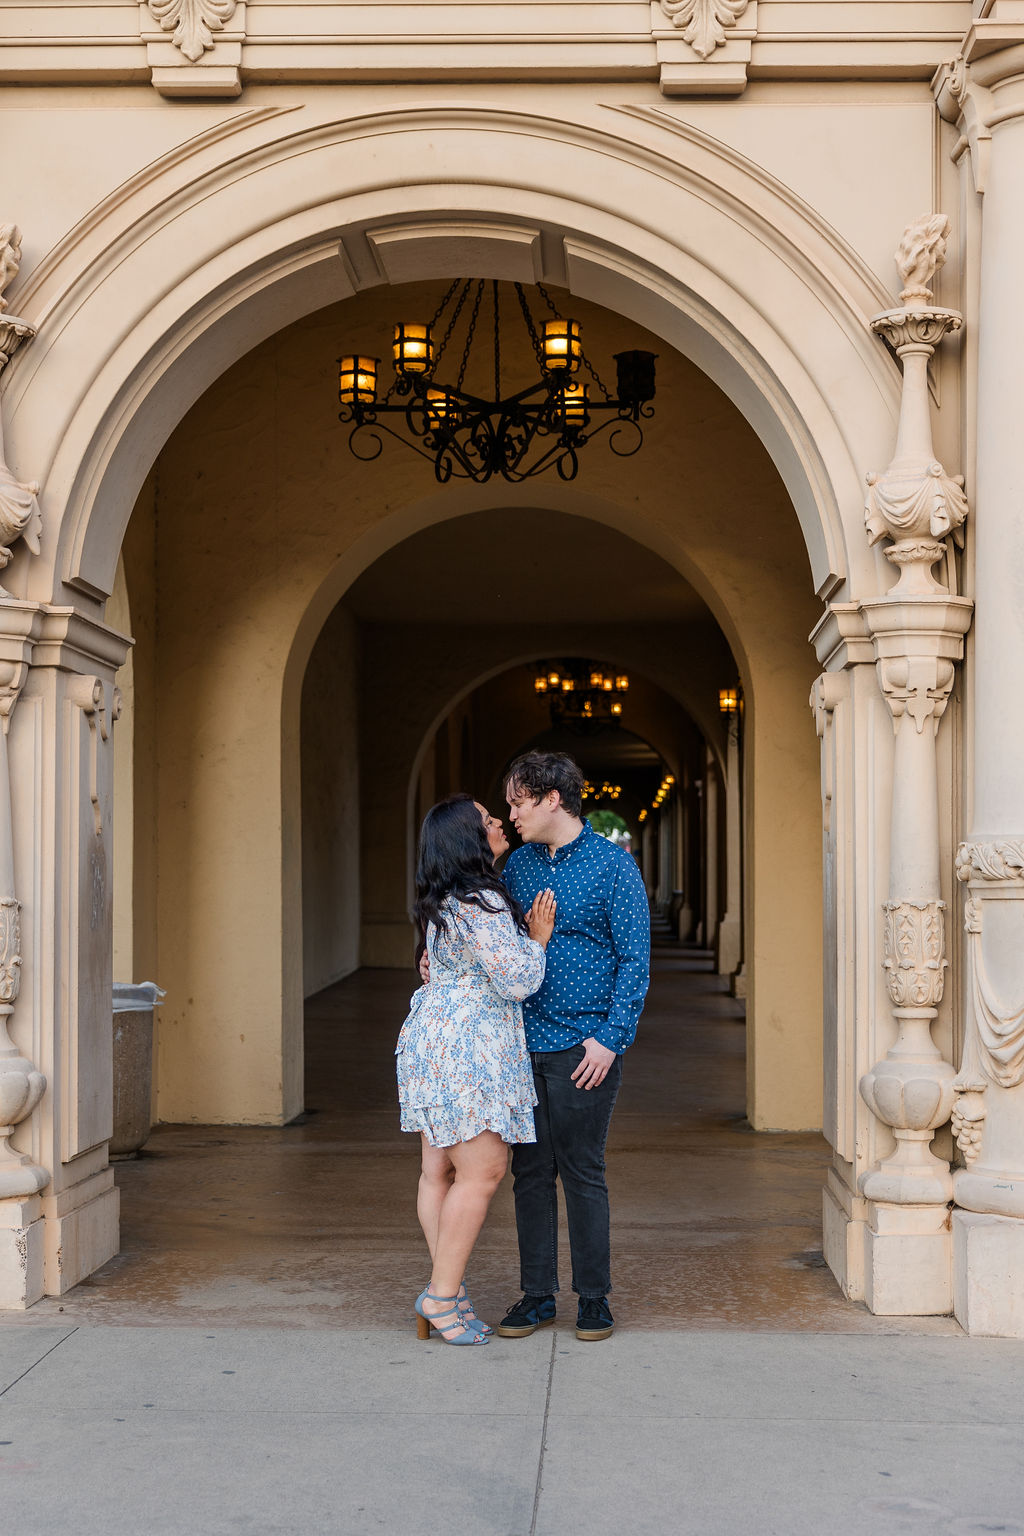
x,y
581,692
518,435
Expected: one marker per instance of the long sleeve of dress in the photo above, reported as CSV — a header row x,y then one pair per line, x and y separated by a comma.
x,y
514,963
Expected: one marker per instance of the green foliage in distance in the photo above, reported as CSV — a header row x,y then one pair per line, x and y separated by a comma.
x,y
607,822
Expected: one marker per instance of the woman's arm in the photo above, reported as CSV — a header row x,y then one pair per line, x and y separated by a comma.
x,y
514,963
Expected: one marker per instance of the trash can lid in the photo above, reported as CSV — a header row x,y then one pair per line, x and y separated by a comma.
x,y
131,996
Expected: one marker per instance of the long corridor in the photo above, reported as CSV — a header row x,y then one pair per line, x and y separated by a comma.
x,y
714,1226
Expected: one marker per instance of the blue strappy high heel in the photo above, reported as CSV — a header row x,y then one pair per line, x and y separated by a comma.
x,y
465,1305
426,1321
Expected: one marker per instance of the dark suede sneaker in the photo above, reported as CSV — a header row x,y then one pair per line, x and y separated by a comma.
x,y
527,1316
593,1318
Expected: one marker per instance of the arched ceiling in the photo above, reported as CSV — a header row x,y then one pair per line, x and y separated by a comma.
x,y
524,566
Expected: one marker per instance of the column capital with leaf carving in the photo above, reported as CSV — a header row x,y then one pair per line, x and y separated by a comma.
x,y
983,86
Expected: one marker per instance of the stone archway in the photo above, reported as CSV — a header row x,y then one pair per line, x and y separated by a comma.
x,y
169,283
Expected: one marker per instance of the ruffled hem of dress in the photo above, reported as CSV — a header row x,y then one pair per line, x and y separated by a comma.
x,y
445,1125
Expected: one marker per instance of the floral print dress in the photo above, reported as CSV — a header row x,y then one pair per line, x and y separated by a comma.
x,y
462,1061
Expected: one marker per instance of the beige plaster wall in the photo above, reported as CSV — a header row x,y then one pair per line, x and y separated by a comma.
x,y
330,806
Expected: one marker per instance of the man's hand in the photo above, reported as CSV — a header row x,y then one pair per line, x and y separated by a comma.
x,y
425,968
593,1069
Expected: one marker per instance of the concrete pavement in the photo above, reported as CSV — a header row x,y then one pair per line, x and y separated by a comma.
x,y
116,1431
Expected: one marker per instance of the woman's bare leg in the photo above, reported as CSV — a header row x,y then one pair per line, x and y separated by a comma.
x,y
436,1175
480,1166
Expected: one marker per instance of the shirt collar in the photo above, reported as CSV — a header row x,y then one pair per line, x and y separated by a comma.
x,y
567,849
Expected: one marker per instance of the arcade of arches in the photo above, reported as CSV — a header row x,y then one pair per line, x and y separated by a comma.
x,y
237,662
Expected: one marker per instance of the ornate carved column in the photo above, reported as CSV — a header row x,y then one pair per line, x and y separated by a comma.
x,y
982,91
21,1084
917,632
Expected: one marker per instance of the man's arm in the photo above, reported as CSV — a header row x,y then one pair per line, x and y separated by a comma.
x,y
629,919
630,924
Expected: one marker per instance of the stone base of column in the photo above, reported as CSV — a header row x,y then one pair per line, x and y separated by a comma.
x,y
844,1225
738,983
81,1231
988,1274
21,1253
908,1261
728,948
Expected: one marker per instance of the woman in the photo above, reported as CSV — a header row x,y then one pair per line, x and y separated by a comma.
x,y
464,1077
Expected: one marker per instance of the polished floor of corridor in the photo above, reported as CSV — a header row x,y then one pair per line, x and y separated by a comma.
x,y
714,1226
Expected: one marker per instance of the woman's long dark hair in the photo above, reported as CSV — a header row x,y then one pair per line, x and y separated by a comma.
x,y
455,860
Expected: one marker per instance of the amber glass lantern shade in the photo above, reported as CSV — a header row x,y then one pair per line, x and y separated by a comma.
x,y
728,702
357,380
442,410
572,407
562,346
413,349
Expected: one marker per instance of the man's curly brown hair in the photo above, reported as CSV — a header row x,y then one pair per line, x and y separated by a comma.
x,y
537,773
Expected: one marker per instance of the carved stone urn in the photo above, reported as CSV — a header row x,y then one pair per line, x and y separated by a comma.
x,y
915,502
911,1090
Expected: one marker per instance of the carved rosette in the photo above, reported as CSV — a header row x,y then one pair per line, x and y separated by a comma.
x,y
704,23
192,22
915,947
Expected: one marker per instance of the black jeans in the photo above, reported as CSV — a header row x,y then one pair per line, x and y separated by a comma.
x,y
572,1128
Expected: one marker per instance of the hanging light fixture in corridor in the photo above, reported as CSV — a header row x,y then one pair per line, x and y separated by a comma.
x,y
539,427
581,692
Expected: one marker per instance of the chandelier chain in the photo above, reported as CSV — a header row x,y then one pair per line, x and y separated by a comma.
x,y
497,343
452,322
444,302
528,318
469,337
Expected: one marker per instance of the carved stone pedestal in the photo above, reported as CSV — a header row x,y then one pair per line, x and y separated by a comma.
x,y
988,1274
907,1269
21,1252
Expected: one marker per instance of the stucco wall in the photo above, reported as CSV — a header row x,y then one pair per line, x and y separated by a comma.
x,y
330,806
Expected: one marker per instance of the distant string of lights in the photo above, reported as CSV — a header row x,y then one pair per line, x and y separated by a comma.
x,y
608,791
664,790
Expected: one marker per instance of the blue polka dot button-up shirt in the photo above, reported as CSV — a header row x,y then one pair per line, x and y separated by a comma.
x,y
599,956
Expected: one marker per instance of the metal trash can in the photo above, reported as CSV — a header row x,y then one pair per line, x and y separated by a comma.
x,y
133,1065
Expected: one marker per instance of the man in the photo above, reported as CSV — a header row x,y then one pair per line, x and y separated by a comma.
x,y
577,1027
